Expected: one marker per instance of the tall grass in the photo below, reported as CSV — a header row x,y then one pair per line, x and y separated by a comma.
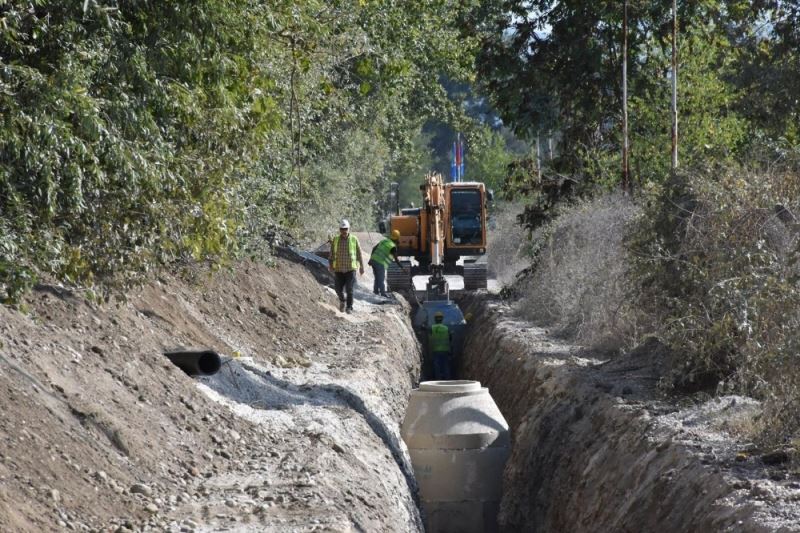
x,y
709,263
509,248
580,286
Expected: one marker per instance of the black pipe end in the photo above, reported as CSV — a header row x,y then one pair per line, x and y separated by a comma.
x,y
196,362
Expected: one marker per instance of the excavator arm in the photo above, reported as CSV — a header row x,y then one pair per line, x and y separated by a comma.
x,y
435,207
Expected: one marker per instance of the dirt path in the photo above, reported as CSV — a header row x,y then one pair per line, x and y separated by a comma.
x,y
298,431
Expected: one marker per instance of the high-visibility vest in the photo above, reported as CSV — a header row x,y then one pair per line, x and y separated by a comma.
x,y
383,252
352,249
440,338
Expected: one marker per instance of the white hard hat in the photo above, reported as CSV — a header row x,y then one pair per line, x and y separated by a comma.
x,y
344,224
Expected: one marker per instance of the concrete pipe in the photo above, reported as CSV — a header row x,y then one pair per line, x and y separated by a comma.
x,y
196,362
459,443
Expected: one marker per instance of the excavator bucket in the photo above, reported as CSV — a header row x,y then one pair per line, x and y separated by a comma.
x,y
399,279
475,275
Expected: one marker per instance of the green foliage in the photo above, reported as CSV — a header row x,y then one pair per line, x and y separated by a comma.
x,y
768,71
409,172
489,158
558,67
709,128
151,132
346,187
15,277
552,66
116,144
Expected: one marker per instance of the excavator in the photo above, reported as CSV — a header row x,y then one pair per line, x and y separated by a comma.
x,y
449,227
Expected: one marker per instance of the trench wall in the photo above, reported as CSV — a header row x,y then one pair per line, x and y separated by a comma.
x,y
583,457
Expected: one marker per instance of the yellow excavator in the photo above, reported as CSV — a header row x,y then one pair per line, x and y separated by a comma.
x,y
446,235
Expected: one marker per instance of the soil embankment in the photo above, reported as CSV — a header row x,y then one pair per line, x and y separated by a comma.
x,y
595,449
298,431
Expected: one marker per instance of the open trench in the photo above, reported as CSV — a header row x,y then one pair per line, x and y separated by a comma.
x,y
588,453
590,448
300,429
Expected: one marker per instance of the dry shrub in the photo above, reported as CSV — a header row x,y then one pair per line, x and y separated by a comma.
x,y
579,287
718,265
508,243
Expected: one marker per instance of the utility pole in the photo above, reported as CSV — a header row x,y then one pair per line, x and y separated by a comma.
x,y
674,86
538,158
626,186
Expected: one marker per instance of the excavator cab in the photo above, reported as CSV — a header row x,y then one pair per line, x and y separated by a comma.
x,y
466,220
465,224
466,217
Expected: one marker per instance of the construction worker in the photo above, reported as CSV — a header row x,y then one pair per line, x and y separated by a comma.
x,y
439,342
345,258
384,251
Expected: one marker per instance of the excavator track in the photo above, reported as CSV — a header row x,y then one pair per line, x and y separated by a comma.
x,y
397,278
475,276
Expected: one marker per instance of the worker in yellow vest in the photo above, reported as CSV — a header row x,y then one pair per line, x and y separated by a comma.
x,y
439,345
345,258
382,253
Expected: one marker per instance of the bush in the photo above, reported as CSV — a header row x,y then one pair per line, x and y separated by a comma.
x,y
717,261
345,188
116,151
579,286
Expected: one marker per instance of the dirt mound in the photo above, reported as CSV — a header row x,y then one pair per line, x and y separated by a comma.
x,y
298,430
597,448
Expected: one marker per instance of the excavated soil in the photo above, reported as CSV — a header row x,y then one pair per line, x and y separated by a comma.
x,y
299,429
297,432
596,447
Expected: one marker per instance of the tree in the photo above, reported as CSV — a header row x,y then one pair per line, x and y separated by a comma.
x,y
558,65
136,135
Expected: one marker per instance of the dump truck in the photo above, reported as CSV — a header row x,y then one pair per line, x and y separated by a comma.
x,y
445,236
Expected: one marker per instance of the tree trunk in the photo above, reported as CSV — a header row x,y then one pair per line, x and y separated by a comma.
x,y
626,185
674,86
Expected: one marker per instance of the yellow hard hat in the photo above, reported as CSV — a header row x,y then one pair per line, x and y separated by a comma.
x,y
438,314
395,235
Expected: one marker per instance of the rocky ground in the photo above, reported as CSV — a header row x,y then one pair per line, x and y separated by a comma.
x,y
297,432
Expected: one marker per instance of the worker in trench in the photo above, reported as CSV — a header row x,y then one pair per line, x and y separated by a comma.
x,y
440,341
345,258
382,253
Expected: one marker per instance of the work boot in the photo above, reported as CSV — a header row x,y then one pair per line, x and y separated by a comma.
x,y
341,306
349,310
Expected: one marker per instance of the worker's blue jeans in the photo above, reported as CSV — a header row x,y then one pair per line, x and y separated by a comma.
x,y
380,275
441,366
